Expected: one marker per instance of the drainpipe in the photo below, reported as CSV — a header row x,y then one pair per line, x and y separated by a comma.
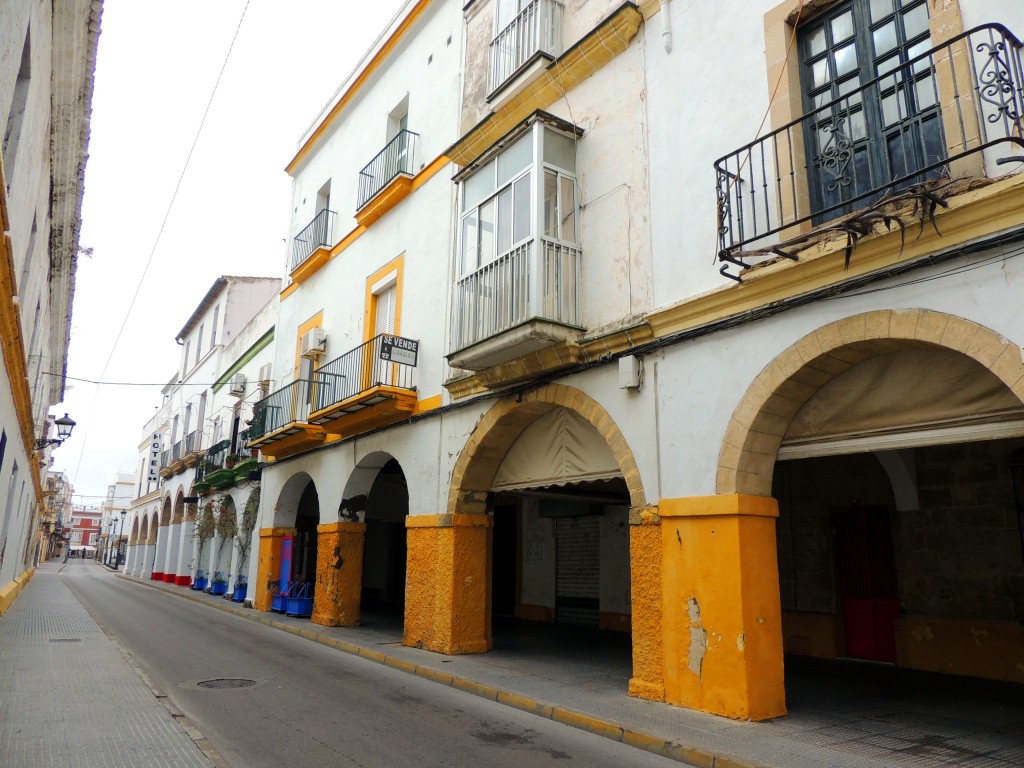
x,y
666,26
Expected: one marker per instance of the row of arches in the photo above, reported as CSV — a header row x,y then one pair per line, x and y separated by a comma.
x,y
805,530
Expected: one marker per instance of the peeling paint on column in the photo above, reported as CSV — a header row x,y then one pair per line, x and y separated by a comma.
x,y
698,638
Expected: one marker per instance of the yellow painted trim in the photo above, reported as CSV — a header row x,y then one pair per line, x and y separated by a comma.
x,y
370,307
13,344
428,404
610,38
725,504
270,533
418,181
971,215
364,76
448,521
10,591
387,198
316,321
317,259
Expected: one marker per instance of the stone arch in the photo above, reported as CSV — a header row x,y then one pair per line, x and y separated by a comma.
x,y
288,499
179,508
134,537
165,515
357,489
755,432
502,425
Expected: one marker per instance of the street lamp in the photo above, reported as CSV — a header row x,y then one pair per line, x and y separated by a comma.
x,y
110,538
120,529
64,426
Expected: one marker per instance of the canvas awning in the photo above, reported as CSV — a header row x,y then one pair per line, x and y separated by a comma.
x,y
558,449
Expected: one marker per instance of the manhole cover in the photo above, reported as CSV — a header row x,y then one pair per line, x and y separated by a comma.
x,y
65,639
226,682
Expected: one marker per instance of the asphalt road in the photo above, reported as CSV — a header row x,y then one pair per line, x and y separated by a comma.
x,y
314,706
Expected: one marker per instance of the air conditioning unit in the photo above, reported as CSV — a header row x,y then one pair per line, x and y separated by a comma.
x,y
237,385
266,371
312,343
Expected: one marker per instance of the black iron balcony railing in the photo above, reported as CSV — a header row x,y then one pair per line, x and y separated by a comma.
x,y
395,159
535,29
319,233
176,451
278,409
216,455
950,112
355,372
192,441
165,458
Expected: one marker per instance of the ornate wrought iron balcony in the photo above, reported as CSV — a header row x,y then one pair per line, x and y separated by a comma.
x,y
319,233
397,158
955,111
537,29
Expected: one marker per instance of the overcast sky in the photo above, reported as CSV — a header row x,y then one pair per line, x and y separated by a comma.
x,y
156,67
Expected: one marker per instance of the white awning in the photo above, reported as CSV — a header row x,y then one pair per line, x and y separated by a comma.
x,y
559,448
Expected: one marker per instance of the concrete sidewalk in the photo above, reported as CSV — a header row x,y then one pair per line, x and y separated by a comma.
x,y
70,698
855,716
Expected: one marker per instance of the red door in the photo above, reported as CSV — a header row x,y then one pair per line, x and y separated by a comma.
x,y
867,581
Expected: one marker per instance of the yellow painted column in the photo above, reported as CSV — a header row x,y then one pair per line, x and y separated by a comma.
x,y
721,609
269,565
447,583
339,574
648,681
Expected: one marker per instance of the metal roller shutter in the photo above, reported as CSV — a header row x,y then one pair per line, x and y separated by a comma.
x,y
578,569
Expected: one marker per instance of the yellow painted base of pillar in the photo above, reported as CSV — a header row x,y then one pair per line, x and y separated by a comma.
x,y
721,609
648,681
10,591
339,574
268,566
447,583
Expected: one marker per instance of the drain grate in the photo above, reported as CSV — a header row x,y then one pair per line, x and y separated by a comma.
x,y
226,682
65,639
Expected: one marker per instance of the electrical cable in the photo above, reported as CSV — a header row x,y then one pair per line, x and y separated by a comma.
x,y
163,224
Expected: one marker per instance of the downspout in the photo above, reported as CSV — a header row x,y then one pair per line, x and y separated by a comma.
x,y
666,26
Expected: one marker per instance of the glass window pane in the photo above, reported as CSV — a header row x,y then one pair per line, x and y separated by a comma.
x,y
469,243
846,59
487,232
478,186
560,150
506,11
568,205
887,65
504,229
816,41
858,126
924,91
880,9
515,158
521,220
820,73
849,86
915,22
842,27
885,38
916,50
894,108
550,204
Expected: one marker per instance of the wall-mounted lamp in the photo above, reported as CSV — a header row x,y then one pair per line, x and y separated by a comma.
x,y
64,426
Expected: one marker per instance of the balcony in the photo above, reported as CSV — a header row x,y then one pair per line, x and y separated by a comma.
x,y
193,448
386,179
319,233
279,423
523,301
535,33
891,147
365,388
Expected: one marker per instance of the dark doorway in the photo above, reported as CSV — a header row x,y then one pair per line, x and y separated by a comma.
x,y
867,581
304,547
384,549
505,560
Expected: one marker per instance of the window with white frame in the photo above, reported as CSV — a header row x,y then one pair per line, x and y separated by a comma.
x,y
518,256
499,201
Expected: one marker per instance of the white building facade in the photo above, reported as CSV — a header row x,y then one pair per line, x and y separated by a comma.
x,y
45,95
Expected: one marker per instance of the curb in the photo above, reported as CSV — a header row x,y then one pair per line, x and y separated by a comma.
x,y
673,750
